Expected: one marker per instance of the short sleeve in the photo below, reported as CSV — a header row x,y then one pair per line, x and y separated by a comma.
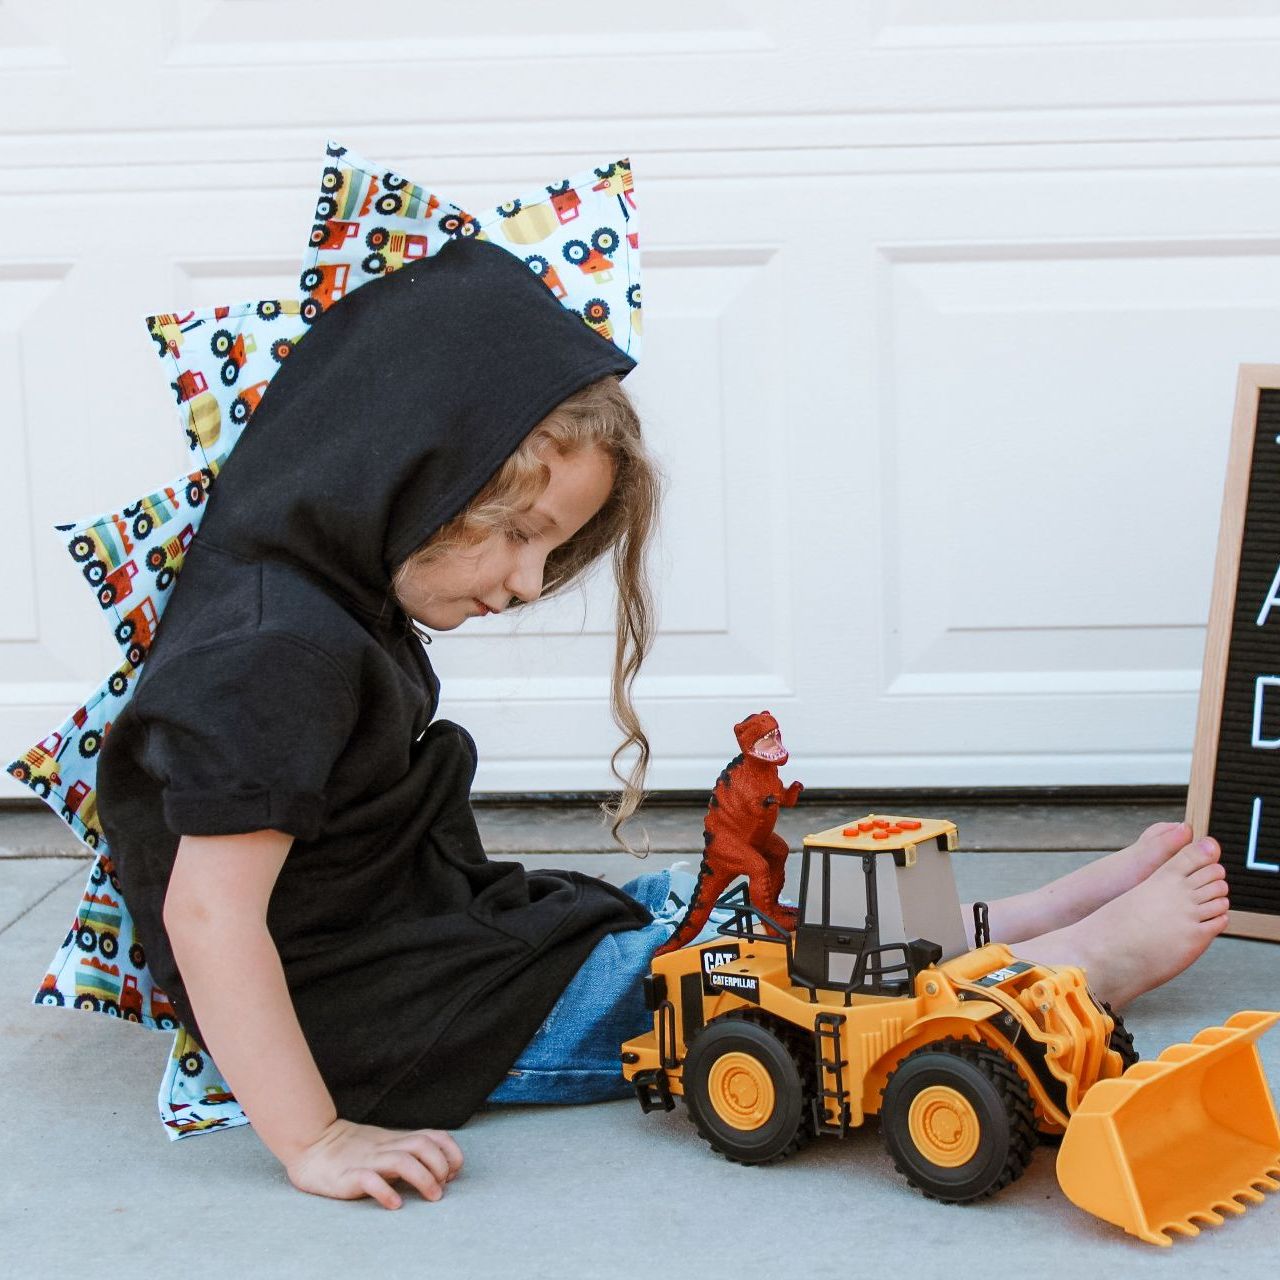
x,y
243,735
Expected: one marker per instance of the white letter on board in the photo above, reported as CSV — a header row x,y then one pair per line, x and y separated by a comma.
x,y
1267,744
1273,598
1251,862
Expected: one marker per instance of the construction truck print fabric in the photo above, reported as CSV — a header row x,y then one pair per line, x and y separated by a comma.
x,y
579,235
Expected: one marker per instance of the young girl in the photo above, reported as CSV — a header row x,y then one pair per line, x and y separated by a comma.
x,y
292,828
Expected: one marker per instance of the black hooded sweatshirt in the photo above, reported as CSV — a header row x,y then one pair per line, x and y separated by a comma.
x,y
286,690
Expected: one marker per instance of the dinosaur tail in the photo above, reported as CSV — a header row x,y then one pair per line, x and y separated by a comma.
x,y
706,889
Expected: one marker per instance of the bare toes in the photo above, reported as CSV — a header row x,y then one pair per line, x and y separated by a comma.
x,y
1214,873
1216,889
1195,856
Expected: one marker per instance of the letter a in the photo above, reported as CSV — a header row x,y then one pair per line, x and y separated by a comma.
x,y
1273,598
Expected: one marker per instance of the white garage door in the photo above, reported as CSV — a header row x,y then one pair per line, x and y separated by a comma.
x,y
944,303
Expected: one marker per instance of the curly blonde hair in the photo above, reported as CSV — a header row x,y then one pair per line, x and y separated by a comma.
x,y
601,415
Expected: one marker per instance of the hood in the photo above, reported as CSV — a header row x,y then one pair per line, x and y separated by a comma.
x,y
393,412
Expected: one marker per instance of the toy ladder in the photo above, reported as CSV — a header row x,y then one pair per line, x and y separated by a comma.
x,y
826,1042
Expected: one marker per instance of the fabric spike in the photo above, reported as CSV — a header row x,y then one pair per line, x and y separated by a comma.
x,y
131,557
579,235
193,1096
220,362
369,221
582,237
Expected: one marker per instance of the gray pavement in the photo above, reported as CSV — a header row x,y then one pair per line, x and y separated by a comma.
x,y
557,1191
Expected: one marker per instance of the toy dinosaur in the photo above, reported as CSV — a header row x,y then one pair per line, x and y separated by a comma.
x,y
737,833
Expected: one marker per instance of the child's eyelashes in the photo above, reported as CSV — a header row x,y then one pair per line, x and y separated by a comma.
x,y
515,535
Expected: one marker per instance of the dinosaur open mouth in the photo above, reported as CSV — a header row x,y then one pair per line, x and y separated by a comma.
x,y
770,747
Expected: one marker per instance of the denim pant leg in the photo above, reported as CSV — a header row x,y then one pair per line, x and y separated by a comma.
x,y
573,1056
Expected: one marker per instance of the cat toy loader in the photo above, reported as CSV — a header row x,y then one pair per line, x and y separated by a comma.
x,y
876,1005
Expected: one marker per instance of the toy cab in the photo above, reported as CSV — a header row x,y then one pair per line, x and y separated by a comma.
x,y
863,925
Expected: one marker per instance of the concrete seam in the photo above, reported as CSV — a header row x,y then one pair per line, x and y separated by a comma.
x,y
32,906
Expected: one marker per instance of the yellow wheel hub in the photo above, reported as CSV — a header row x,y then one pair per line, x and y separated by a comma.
x,y
944,1126
741,1090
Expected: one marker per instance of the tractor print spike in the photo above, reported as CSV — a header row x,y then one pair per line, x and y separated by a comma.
x,y
219,362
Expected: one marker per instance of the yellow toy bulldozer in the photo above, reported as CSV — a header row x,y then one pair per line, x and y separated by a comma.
x,y
876,1005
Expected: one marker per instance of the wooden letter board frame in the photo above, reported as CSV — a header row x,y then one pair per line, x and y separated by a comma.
x,y
1235,769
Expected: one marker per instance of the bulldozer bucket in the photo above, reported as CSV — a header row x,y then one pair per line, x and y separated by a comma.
x,y
1178,1140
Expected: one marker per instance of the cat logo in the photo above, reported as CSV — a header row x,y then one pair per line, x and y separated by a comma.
x,y
713,958
996,976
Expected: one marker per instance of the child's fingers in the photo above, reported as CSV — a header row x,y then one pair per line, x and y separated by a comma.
x,y
429,1153
452,1152
377,1187
406,1165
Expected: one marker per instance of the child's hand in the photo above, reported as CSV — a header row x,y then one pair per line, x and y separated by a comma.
x,y
353,1160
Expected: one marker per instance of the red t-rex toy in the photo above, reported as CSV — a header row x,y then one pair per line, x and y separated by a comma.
x,y
738,832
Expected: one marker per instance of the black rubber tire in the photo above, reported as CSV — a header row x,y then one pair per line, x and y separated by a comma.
x,y
999,1096
777,1050
1122,1039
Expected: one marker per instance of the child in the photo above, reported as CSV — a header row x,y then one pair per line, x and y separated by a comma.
x,y
292,828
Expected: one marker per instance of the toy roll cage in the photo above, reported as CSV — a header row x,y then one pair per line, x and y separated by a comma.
x,y
822,946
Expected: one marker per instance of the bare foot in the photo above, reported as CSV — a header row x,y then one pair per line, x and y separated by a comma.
x,y
1078,894
1149,934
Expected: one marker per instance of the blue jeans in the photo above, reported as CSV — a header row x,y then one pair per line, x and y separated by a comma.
x,y
573,1056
